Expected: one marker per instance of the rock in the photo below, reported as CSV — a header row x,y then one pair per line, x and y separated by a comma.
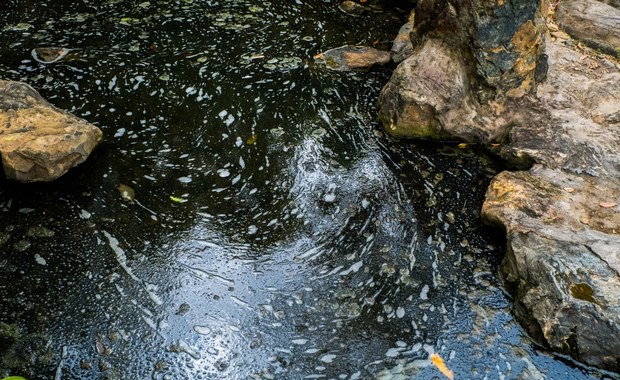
x,y
572,123
561,218
402,46
593,22
429,96
465,64
563,258
50,54
39,142
501,42
347,58
352,8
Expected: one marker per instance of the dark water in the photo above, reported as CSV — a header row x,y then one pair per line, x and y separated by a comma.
x,y
245,218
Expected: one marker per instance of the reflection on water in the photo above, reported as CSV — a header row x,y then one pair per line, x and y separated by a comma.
x,y
244,218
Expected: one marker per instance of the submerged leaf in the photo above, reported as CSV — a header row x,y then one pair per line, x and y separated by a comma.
x,y
608,204
441,366
14,378
177,199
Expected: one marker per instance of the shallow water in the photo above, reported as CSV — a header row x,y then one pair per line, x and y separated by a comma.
x,y
245,217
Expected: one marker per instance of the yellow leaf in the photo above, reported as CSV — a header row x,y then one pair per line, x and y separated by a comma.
x,y
251,140
441,366
177,199
462,146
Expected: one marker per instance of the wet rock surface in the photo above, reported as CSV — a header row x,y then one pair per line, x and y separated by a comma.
x,y
39,142
562,217
429,95
593,22
563,258
347,58
557,115
402,47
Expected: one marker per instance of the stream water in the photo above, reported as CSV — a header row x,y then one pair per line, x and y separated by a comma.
x,y
245,218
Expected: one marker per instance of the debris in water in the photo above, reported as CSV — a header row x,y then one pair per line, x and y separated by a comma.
x,y
441,366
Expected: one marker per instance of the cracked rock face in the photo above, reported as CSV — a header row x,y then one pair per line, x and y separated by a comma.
x,y
39,142
563,258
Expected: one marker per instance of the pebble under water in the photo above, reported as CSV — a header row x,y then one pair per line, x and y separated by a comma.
x,y
245,218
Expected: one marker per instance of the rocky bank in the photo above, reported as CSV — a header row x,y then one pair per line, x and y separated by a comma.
x,y
518,79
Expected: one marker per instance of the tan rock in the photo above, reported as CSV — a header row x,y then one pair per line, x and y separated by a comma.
x,y
428,95
39,142
347,58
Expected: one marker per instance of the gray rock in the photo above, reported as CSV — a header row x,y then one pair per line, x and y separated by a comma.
x,y
593,22
39,142
402,47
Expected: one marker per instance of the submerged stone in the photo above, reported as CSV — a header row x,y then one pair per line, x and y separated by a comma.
x,y
348,57
50,54
352,8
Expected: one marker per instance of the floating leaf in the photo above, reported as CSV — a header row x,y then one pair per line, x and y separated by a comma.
x,y
177,199
441,366
126,192
583,292
14,378
608,204
252,140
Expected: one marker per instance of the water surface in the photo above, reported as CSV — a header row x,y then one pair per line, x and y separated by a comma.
x,y
245,217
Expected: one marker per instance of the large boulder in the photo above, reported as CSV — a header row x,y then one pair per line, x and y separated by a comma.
x,y
429,96
562,218
563,258
480,53
39,142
